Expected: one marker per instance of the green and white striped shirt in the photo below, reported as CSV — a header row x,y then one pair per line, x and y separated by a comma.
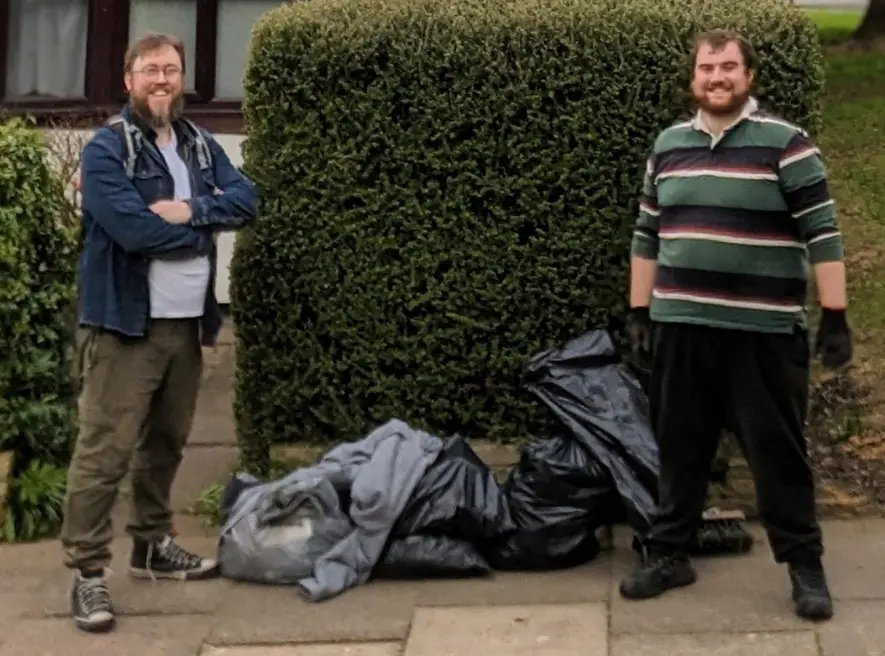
x,y
733,222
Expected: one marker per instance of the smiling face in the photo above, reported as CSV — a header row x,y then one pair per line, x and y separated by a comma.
x,y
155,82
722,81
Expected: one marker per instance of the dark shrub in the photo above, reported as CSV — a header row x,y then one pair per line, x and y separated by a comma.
x,y
449,188
37,295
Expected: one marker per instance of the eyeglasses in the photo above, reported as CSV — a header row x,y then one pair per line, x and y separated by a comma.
x,y
153,72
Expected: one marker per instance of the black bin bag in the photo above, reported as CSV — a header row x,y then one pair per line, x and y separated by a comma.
x,y
430,556
559,495
601,404
458,497
456,509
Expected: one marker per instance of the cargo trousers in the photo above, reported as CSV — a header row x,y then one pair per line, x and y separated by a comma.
x,y
136,408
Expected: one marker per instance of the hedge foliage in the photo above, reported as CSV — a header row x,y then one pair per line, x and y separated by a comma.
x,y
37,296
448,187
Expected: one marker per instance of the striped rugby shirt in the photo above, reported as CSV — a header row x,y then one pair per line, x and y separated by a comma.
x,y
734,221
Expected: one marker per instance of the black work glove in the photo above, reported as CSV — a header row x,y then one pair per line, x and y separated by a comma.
x,y
639,332
833,343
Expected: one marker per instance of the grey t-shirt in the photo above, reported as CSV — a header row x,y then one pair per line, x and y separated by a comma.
x,y
178,287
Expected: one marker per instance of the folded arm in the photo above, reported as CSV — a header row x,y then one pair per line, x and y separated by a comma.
x,y
237,203
112,199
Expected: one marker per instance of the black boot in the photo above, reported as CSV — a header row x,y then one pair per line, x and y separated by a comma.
x,y
811,595
658,574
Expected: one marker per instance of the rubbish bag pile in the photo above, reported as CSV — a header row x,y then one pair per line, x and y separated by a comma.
x,y
457,512
558,495
402,503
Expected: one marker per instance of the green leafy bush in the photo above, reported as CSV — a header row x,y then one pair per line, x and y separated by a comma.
x,y
38,270
449,187
37,500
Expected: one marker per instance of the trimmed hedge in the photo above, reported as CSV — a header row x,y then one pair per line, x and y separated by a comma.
x,y
37,296
449,187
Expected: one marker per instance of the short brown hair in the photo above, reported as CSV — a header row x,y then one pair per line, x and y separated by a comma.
x,y
719,38
151,42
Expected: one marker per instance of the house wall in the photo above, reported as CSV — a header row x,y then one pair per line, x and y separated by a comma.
x,y
232,145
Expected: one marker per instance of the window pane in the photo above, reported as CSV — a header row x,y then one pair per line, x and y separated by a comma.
x,y
47,48
235,20
177,17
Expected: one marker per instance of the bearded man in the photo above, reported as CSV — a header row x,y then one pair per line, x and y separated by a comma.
x,y
735,207
155,189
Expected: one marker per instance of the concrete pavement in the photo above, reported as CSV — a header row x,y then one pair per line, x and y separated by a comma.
x,y
739,607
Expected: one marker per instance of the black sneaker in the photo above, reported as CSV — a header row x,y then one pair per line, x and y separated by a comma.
x,y
163,559
811,595
91,604
656,575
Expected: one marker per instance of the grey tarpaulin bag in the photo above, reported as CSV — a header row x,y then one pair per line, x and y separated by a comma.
x,y
276,532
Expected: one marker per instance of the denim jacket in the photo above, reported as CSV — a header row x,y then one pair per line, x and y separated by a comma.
x,y
121,235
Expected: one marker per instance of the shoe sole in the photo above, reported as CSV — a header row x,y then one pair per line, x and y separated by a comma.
x,y
815,618
193,575
822,616
674,585
96,627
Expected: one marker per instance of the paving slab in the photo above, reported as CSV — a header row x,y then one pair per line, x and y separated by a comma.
x,y
552,630
132,596
854,555
214,419
133,636
13,607
855,558
857,629
717,644
377,611
750,592
24,567
733,594
212,428
217,360
587,583
330,649
137,597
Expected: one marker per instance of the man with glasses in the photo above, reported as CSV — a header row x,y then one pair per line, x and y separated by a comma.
x,y
155,190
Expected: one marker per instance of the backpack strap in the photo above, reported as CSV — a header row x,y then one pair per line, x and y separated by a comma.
x,y
204,154
132,138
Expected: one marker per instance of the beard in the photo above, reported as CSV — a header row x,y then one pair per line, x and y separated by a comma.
x,y
733,106
141,106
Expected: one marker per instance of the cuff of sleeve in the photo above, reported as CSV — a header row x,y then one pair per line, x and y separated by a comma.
x,y
644,247
309,588
826,250
206,243
198,212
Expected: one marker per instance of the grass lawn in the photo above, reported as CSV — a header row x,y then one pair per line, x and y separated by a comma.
x,y
835,26
853,145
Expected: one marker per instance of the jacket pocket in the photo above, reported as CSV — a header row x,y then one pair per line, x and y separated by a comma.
x,y
151,185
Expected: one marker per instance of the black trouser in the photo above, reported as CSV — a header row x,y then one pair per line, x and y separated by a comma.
x,y
705,379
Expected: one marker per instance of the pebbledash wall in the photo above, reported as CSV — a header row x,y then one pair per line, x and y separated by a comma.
x,y
232,145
